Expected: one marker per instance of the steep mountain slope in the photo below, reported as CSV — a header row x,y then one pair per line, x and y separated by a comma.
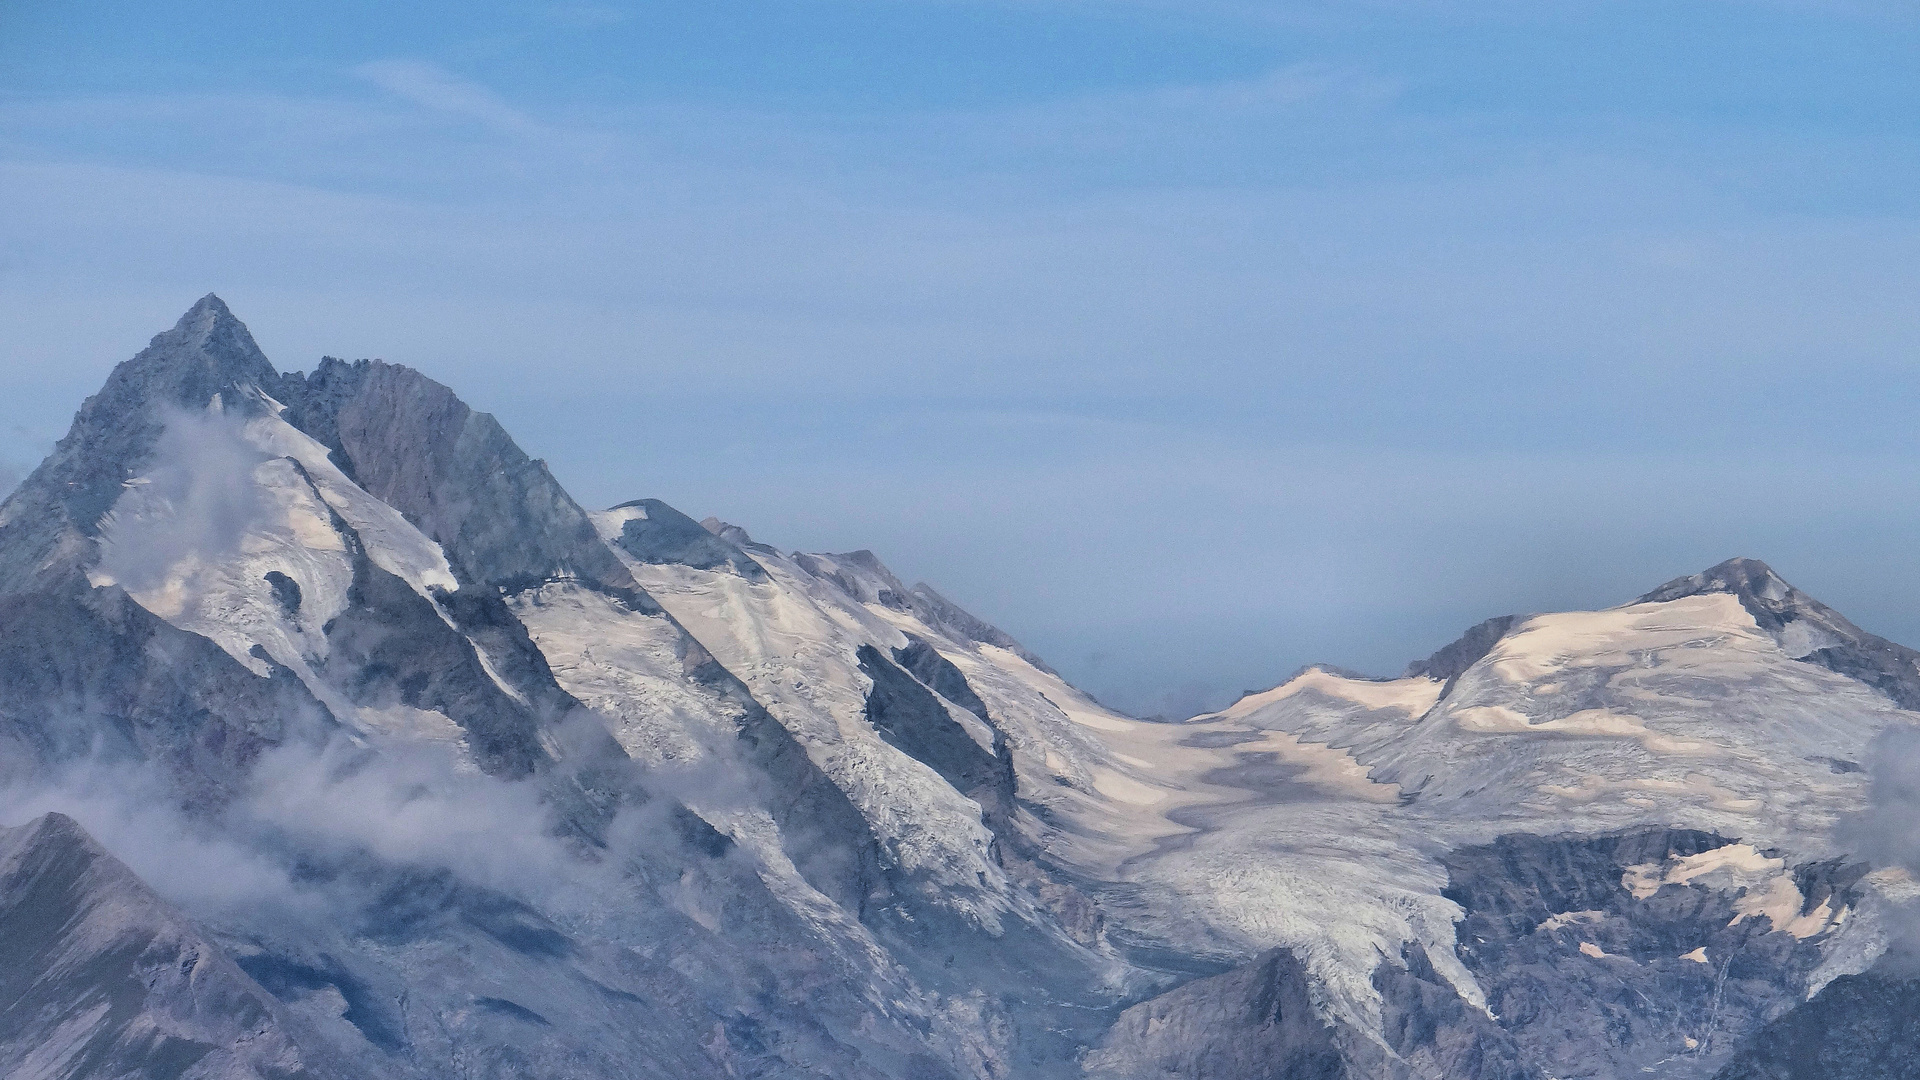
x,y
1805,628
1360,807
100,978
1859,1027
521,789
1291,821
932,780
245,618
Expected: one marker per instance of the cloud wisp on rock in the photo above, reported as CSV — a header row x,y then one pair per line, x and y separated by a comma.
x,y
199,501
1887,833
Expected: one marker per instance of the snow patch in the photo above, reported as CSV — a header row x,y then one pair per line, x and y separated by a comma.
x,y
390,540
795,646
1592,723
1741,860
608,522
1412,696
1547,645
1764,884
1116,786
1570,918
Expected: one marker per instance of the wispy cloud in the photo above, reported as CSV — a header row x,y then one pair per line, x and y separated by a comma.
x,y
1284,86
431,86
585,16
1888,833
404,805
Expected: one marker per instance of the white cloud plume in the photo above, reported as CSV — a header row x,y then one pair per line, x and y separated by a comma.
x,y
198,500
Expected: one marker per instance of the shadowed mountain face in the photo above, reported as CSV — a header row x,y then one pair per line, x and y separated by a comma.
x,y
653,532
1860,1027
440,775
99,977
454,473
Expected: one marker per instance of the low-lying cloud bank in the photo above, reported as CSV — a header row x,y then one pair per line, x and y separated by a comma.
x,y
308,808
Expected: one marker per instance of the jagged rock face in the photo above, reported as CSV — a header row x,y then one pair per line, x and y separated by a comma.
x,y
364,592
609,794
907,715
1859,1027
96,675
47,520
454,473
653,532
1429,1029
100,978
1620,950
1254,1023
1456,657
1259,1022
391,646
1655,950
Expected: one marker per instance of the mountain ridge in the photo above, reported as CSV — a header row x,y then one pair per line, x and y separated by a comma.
x,y
101,978
618,793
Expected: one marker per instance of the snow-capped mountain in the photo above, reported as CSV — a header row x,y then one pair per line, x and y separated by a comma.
x,y
417,768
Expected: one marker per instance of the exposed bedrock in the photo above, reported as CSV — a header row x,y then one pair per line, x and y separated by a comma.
x,y
100,978
654,532
93,675
1858,1027
1649,949
499,515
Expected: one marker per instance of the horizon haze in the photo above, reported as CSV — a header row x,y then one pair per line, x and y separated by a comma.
x,y
1189,346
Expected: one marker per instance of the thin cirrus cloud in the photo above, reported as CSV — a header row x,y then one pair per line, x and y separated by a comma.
x,y
431,86
586,16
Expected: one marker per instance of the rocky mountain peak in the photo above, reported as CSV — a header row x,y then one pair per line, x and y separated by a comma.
x,y
208,357
103,978
1799,622
623,793
452,471
1805,628
861,575
56,828
1454,658
1749,579
207,352
652,532
1802,626
728,531
210,318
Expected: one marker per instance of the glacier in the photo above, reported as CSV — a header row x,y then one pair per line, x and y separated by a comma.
x,y
364,750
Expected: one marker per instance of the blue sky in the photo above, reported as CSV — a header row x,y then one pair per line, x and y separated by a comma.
x,y
1188,342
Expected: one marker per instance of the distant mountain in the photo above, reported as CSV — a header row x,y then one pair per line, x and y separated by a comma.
x,y
506,787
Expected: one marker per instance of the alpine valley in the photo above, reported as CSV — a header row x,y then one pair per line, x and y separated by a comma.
x,y
339,741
